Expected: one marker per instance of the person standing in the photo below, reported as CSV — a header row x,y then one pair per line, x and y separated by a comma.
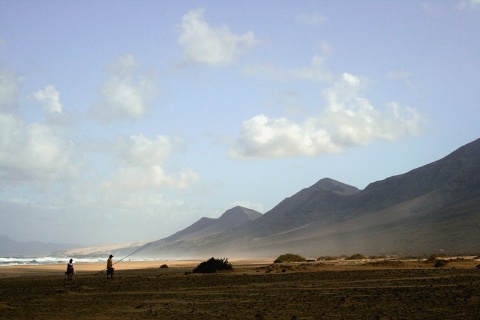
x,y
70,270
110,268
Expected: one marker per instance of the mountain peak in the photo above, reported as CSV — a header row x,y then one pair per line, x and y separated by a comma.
x,y
328,184
238,215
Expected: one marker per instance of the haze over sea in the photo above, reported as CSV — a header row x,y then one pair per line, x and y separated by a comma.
x,y
12,261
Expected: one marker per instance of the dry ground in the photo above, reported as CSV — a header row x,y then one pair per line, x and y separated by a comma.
x,y
329,290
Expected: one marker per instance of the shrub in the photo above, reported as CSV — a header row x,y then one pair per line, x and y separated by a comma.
x,y
356,256
212,265
289,257
163,266
440,263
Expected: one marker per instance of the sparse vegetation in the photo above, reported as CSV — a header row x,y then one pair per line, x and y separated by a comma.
x,y
378,257
212,265
289,257
326,258
356,256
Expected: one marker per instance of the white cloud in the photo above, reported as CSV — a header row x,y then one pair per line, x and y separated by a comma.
x,y
352,120
262,137
31,152
50,99
314,72
204,44
8,89
137,178
124,93
348,120
139,150
141,165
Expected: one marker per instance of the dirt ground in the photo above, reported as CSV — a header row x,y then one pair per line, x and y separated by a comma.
x,y
317,290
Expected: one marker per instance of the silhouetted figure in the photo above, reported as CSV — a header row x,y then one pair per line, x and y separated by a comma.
x,y
110,268
70,270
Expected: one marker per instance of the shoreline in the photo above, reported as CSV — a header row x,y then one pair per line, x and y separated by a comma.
x,y
82,268
93,268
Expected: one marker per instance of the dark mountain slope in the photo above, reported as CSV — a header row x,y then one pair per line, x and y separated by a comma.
x,y
454,178
237,216
201,224
458,172
322,199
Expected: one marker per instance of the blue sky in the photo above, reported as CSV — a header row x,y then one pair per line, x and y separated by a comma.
x,y
129,120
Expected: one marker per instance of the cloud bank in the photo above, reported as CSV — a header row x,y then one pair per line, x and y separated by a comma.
x,y
30,152
140,164
348,120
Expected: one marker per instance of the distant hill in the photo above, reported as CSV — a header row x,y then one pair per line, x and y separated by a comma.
x,y
12,248
231,218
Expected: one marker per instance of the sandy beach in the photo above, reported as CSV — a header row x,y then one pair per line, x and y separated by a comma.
x,y
82,269
256,289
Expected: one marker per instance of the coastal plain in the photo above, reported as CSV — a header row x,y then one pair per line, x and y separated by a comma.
x,y
253,289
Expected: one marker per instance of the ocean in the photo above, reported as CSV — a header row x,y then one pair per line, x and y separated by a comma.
x,y
12,261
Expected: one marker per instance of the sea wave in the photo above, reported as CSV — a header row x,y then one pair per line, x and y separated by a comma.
x,y
12,261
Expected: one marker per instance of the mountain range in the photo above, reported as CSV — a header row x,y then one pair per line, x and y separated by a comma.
x,y
431,209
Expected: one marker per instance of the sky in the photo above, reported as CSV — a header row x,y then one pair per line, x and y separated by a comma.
x,y
128,121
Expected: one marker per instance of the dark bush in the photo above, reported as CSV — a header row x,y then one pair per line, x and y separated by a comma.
x,y
163,266
440,263
289,257
356,256
212,265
